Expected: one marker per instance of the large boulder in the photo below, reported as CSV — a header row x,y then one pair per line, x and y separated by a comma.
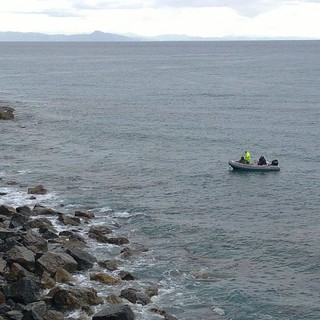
x,y
39,223
51,261
41,210
69,220
18,220
135,296
24,290
104,278
67,299
39,189
85,260
35,242
115,312
7,211
21,255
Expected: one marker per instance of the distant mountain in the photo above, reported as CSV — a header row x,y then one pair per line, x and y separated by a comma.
x,y
99,36
31,36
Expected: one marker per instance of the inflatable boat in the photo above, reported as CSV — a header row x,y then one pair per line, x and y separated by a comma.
x,y
236,165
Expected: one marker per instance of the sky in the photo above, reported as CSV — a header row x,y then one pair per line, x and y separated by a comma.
x,y
200,18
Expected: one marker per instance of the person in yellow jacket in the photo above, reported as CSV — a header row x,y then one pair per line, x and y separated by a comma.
x,y
247,156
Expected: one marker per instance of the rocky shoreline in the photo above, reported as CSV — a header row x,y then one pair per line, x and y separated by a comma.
x,y
39,266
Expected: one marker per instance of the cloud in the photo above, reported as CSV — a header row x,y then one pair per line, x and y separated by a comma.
x,y
249,8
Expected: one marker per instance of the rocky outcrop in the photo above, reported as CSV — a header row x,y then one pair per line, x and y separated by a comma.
x,y
6,113
34,256
39,189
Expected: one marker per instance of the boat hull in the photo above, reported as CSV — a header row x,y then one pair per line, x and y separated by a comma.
x,y
251,166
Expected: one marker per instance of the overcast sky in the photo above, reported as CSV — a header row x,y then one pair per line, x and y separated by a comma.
x,y
204,18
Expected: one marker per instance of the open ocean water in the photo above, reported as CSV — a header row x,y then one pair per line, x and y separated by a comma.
x,y
141,134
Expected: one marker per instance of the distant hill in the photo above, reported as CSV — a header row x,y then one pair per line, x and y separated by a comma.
x,y
31,36
98,36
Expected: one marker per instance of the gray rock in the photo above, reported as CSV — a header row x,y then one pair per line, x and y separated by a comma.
x,y
67,299
23,290
21,255
84,214
135,296
24,210
39,189
38,223
85,260
40,210
69,220
6,113
18,220
115,312
51,261
35,242
7,211
35,311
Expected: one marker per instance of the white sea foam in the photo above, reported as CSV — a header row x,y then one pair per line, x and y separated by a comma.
x,y
219,311
16,197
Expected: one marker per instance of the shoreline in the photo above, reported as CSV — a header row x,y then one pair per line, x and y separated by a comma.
x,y
39,266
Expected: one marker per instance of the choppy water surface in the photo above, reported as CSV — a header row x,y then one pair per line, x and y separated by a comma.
x,y
141,133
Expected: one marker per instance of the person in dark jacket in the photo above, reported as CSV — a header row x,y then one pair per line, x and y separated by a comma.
x,y
262,161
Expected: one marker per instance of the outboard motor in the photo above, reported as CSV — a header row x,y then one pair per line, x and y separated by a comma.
x,y
274,162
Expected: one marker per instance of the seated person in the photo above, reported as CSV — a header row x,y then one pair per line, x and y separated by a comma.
x,y
262,161
242,160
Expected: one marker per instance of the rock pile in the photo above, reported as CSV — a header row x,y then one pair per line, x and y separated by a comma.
x,y
38,266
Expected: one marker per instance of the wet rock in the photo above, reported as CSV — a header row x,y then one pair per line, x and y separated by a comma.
x,y
99,230
135,296
152,291
74,243
6,113
69,220
39,189
119,241
51,261
85,260
113,299
7,211
111,265
39,223
63,276
23,290
72,235
25,210
75,298
115,312
133,250
163,313
104,239
49,234
41,210
126,275
84,214
104,278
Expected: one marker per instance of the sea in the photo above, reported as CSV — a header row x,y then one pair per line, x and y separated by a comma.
x,y
140,134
